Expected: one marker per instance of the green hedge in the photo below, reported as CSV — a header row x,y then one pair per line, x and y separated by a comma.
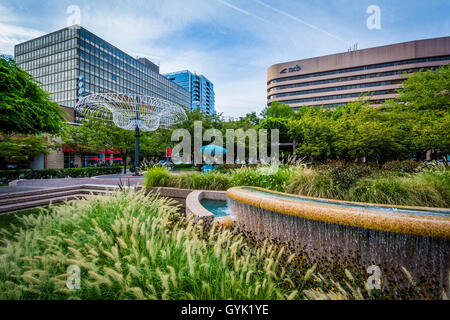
x,y
7,176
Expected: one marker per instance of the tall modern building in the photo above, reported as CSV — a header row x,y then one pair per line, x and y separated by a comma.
x,y
201,89
73,62
337,79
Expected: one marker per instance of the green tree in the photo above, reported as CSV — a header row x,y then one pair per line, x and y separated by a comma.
x,y
21,149
427,90
424,102
26,112
313,133
24,107
278,110
95,134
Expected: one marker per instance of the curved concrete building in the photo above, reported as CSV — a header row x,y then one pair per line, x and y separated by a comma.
x,y
337,79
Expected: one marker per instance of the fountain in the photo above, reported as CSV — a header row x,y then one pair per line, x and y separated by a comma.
x,y
387,236
209,206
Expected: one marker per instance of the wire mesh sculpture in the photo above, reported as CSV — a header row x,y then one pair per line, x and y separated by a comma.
x,y
131,112
127,110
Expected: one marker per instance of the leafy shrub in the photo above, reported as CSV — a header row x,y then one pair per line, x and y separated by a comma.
x,y
355,183
344,175
182,165
128,247
7,176
217,180
263,177
313,183
427,189
156,176
406,166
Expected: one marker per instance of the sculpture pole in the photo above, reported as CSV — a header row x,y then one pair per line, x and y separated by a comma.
x,y
136,136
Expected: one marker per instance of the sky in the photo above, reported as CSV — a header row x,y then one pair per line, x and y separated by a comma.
x,y
231,42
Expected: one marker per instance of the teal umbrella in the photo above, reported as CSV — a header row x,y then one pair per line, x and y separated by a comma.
x,y
213,149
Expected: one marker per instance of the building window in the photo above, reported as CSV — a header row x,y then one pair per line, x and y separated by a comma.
x,y
69,160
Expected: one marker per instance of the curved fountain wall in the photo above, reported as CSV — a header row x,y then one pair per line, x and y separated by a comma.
x,y
387,236
195,209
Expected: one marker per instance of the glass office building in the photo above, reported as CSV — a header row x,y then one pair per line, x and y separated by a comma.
x,y
73,62
200,88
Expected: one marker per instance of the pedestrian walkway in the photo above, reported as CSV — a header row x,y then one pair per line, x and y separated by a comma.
x,y
112,180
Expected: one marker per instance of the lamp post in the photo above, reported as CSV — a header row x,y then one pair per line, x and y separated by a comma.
x,y
136,140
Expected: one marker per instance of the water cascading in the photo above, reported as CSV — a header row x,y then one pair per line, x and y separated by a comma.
x,y
390,237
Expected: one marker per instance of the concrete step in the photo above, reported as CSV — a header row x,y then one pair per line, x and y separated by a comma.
x,y
38,191
53,190
43,196
39,203
37,198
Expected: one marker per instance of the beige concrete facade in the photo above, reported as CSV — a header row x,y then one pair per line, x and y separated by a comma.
x,y
340,78
55,160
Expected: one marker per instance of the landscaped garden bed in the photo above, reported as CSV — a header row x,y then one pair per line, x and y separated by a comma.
x,y
135,246
423,186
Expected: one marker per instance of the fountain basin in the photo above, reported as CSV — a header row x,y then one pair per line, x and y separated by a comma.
x,y
388,236
209,206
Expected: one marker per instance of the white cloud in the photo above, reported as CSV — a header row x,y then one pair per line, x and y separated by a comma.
x,y
297,19
10,35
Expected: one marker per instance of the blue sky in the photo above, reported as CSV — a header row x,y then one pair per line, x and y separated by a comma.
x,y
231,42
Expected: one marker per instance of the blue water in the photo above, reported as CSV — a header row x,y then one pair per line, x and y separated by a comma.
x,y
218,207
386,208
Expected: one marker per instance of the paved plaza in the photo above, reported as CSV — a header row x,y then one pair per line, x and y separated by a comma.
x,y
113,180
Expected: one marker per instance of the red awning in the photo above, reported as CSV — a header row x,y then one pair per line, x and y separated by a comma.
x,y
96,159
118,159
108,159
67,149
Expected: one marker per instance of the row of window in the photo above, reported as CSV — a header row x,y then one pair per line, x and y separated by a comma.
x,y
53,68
44,41
130,65
337,96
60,86
63,96
57,77
46,51
375,66
107,76
95,42
111,72
355,86
353,78
48,60
99,67
97,85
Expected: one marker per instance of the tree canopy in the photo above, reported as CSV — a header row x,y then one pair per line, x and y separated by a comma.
x,y
24,107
